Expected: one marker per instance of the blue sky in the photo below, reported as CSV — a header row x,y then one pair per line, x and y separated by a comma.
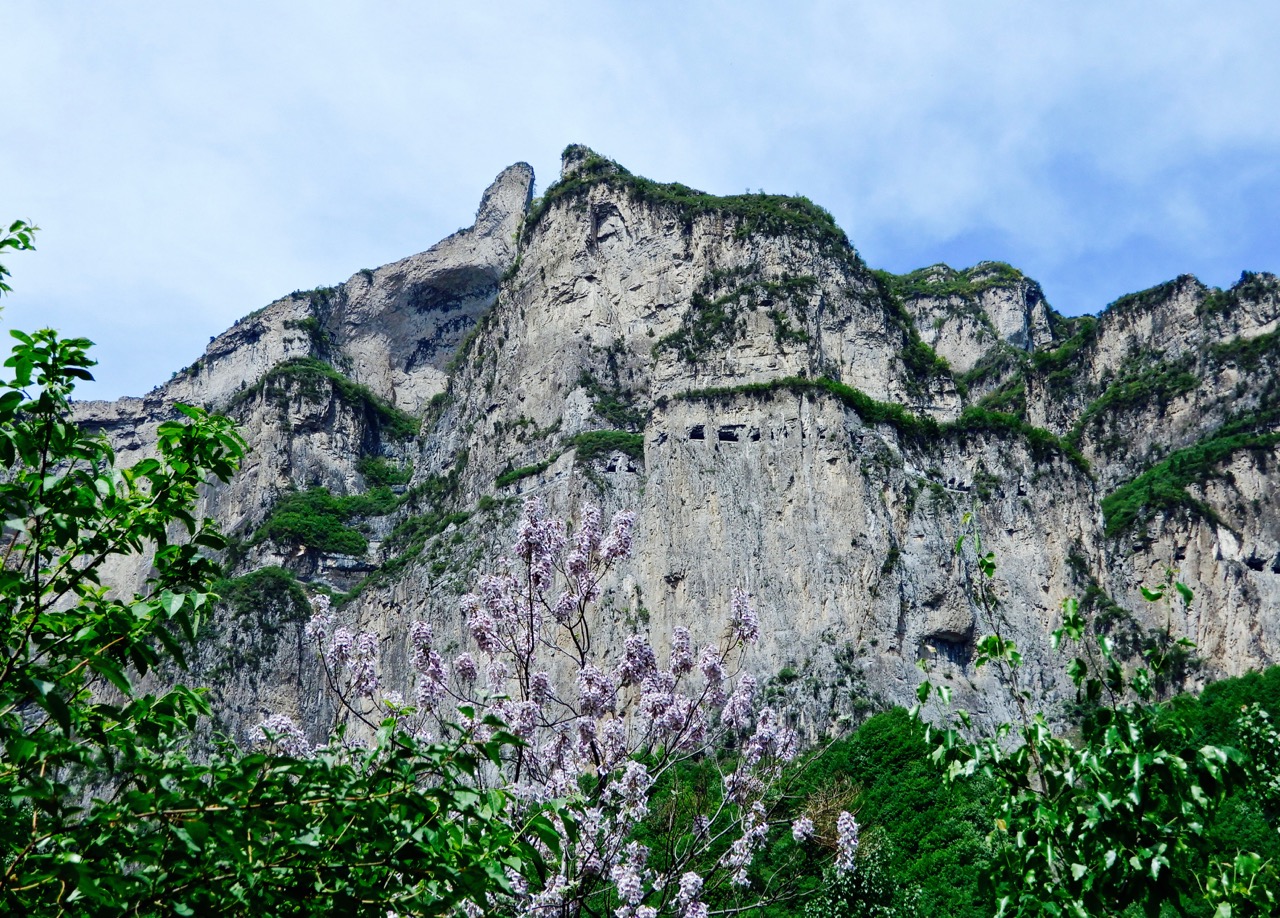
x,y
189,163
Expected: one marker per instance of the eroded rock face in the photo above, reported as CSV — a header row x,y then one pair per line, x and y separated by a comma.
x,y
782,422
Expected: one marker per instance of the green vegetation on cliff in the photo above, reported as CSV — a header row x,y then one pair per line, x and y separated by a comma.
x,y
317,520
1164,485
314,379
943,281
713,323
268,591
918,430
753,214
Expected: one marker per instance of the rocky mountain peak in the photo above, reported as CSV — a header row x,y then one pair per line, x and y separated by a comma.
x,y
504,202
779,416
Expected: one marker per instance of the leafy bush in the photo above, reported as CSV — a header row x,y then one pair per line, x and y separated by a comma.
x,y
712,323
919,430
1113,819
943,281
612,403
1157,384
594,443
512,475
317,520
1251,287
1247,353
1152,296
381,473
1059,366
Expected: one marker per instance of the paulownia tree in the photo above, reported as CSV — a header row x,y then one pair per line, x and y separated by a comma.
x,y
601,729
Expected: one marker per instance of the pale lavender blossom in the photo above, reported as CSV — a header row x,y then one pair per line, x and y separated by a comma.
x,y
743,618
431,689
587,540
739,857
540,688
802,829
712,666
285,733
638,661
772,739
339,653
614,743
483,631
631,791
519,885
587,735
320,625
681,651
564,608
497,674
627,880
688,899
364,665
465,666
420,639
846,842
738,709
597,693
618,543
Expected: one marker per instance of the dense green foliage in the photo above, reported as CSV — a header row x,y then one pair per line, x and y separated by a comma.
x,y
1248,353
1059,366
1164,485
592,444
752,214
19,237
611,402
1251,287
1153,296
1112,820
511,475
315,379
381,473
104,810
317,520
712,322
933,834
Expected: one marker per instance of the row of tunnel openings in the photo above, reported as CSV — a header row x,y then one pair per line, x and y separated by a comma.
x,y
725,433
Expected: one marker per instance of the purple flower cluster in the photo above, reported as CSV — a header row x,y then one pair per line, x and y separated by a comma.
x,y
740,707
743,618
846,842
638,661
285,733
688,901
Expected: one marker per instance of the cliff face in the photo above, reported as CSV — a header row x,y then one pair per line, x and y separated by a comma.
x,y
778,415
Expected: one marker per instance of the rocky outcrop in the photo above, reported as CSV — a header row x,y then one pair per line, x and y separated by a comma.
x,y
778,415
